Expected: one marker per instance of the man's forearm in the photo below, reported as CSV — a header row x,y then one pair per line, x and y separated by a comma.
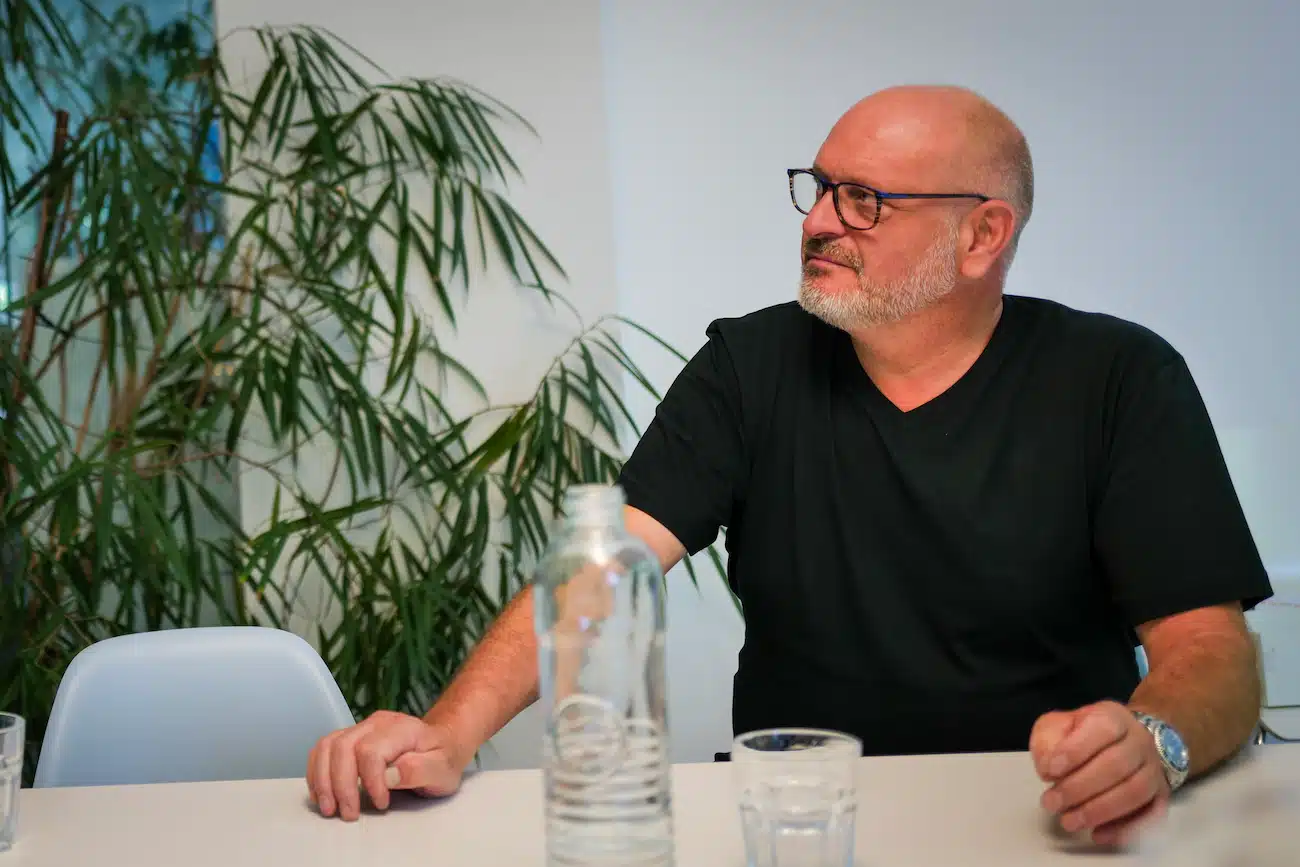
x,y
1209,691
500,677
497,681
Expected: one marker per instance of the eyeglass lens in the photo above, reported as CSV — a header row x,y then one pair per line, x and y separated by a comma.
x,y
857,205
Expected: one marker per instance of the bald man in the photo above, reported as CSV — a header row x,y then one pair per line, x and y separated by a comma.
x,y
950,511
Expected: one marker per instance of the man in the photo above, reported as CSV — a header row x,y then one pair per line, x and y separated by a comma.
x,y
949,511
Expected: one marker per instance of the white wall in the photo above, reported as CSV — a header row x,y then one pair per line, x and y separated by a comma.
x,y
1165,141
543,60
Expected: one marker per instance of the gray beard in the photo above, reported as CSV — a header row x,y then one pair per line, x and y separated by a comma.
x,y
932,279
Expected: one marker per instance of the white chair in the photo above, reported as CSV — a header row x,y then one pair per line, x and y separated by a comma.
x,y
1276,630
185,705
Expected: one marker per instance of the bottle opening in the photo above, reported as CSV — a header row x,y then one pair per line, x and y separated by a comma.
x,y
594,504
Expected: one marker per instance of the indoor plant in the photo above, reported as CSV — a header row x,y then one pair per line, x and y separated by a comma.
x,y
241,288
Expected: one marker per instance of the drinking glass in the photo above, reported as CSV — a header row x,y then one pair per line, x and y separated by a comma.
x,y
12,731
797,796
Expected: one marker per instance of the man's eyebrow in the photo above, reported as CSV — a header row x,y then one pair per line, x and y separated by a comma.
x,y
823,174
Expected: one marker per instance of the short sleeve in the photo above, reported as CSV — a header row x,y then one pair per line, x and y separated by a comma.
x,y
688,470
1169,529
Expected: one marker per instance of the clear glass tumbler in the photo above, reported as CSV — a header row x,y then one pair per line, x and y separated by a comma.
x,y
797,796
12,741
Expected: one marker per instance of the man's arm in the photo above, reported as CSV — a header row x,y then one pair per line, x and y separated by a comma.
x,y
1172,543
658,537
499,679
1203,681
1102,767
689,468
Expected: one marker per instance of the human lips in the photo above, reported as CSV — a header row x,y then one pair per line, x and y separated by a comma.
x,y
822,260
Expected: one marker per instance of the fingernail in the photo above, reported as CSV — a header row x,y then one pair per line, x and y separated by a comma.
x,y
392,778
326,805
1071,822
1057,766
1052,802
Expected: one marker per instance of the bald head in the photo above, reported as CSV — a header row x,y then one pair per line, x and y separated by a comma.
x,y
951,136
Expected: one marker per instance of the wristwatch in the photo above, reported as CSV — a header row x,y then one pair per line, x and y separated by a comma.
x,y
1169,744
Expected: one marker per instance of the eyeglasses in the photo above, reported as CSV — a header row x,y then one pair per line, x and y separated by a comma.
x,y
857,205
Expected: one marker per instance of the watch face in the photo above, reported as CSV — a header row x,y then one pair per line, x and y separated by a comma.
x,y
1172,748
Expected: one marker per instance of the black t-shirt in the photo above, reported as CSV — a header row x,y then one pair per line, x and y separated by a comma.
x,y
933,580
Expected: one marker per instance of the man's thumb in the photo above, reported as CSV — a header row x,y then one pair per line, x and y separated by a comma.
x,y
428,772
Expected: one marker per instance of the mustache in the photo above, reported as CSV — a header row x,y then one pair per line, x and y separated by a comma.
x,y
825,248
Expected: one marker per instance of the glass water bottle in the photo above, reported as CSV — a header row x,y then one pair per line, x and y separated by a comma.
x,y
598,597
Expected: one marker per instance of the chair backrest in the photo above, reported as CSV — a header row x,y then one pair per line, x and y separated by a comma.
x,y
1277,626
184,705
1143,667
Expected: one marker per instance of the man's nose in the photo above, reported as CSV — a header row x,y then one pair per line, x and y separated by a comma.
x,y
822,221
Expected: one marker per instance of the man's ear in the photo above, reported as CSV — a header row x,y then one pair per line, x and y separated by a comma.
x,y
986,234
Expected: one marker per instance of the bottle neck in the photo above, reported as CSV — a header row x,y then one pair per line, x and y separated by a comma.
x,y
593,508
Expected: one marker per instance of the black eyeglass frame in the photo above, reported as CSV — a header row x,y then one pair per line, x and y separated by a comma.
x,y
824,184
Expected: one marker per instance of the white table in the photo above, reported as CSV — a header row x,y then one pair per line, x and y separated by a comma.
x,y
916,811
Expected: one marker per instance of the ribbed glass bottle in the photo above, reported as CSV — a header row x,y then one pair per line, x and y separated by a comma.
x,y
599,607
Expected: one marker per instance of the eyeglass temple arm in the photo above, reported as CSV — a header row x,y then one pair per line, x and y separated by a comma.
x,y
883,195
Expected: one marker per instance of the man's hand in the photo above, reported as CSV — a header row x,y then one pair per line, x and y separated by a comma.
x,y
386,751
1103,771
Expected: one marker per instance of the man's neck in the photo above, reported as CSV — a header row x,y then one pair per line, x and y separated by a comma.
x,y
916,359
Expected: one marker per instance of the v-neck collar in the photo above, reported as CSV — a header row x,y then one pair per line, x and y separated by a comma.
x,y
957,396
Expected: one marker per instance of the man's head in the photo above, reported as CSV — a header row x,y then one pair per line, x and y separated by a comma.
x,y
932,140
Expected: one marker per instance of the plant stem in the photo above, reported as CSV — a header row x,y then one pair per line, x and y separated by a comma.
x,y
37,276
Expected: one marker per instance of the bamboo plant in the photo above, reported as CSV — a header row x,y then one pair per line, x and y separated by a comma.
x,y
242,289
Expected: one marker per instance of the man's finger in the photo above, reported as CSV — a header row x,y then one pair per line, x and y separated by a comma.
x,y
1096,729
1103,771
311,762
1049,731
343,774
1117,802
1125,830
320,782
374,752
